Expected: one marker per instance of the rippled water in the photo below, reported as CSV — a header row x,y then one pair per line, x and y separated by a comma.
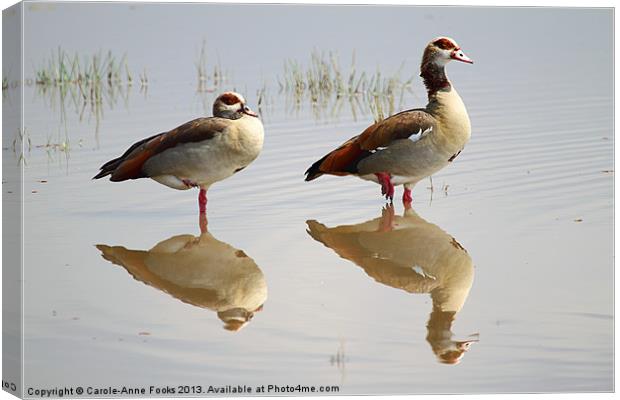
x,y
498,280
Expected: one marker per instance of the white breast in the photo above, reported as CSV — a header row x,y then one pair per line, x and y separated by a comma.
x,y
211,160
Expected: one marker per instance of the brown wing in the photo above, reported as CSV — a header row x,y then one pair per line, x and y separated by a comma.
x,y
345,158
129,165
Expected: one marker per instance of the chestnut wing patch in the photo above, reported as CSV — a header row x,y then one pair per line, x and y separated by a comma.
x,y
130,165
413,124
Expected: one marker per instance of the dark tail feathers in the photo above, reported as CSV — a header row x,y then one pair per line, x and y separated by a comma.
x,y
313,172
108,168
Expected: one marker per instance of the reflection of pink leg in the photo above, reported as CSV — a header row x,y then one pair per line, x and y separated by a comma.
x,y
387,188
202,221
387,219
202,201
407,199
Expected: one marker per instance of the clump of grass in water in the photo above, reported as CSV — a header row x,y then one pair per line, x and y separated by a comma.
x,y
64,69
61,146
382,92
261,96
324,79
58,149
208,82
86,82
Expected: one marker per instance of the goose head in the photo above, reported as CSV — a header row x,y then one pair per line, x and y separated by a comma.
x,y
442,50
231,105
236,318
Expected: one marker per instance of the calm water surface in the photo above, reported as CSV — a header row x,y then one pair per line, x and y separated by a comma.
x,y
498,280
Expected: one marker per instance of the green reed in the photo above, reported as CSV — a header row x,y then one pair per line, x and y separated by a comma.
x,y
323,79
63,68
85,82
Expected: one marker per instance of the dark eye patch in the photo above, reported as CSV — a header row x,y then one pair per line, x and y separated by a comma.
x,y
229,99
444,44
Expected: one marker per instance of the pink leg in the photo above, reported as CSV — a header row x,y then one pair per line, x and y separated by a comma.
x,y
202,201
407,199
387,188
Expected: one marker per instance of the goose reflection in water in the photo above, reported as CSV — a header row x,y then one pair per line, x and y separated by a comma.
x,y
406,252
201,271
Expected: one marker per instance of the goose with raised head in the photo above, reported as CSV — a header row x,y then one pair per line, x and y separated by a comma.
x,y
408,253
411,145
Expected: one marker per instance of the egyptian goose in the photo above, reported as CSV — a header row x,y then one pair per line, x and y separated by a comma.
x,y
196,154
202,271
411,145
408,253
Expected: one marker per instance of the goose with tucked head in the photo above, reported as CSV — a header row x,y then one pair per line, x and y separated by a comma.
x,y
198,270
196,154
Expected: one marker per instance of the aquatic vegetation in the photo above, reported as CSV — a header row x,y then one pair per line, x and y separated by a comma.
x,y
9,84
431,189
87,105
261,95
21,144
58,144
144,80
324,83
208,81
85,83
62,68
21,138
57,148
